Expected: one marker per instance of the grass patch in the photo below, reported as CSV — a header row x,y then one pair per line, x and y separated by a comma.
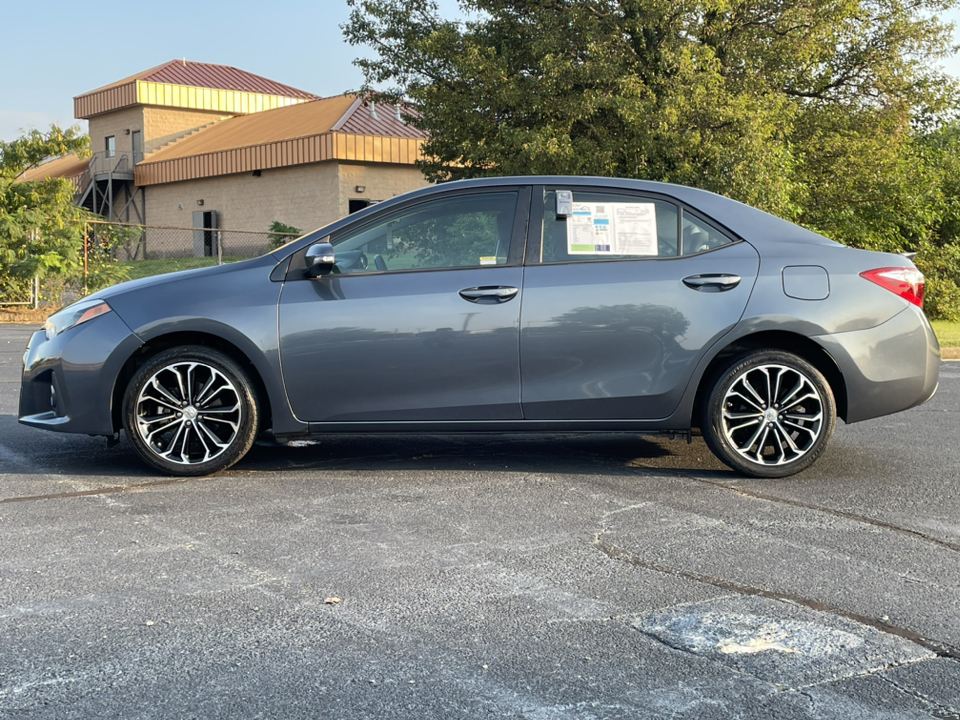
x,y
24,315
147,268
948,333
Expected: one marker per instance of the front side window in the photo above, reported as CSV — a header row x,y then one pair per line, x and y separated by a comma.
x,y
111,148
451,232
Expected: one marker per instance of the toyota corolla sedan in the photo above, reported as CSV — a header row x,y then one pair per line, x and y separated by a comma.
x,y
525,304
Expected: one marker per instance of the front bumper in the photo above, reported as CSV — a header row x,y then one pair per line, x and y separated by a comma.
x,y
68,380
888,368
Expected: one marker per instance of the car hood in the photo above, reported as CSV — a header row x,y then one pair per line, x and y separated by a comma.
x,y
196,274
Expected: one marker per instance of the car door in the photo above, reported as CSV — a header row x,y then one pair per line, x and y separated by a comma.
x,y
419,320
623,294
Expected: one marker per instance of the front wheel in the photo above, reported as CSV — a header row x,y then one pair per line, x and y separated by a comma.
x,y
190,411
768,414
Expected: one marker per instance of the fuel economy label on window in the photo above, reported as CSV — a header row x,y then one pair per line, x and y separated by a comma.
x,y
612,229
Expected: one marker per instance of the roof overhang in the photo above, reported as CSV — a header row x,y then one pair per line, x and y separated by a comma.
x,y
143,92
284,153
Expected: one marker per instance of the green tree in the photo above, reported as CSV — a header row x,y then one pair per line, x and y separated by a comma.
x,y
41,229
281,233
815,110
723,94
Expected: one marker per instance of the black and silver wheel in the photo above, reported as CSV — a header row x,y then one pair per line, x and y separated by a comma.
x,y
768,414
191,411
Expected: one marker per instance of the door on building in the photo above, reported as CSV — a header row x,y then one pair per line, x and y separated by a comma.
x,y
205,233
136,139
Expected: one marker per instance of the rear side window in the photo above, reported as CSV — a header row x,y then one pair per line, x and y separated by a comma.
x,y
617,226
699,237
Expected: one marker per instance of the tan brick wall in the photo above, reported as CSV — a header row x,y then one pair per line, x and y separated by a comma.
x,y
114,123
381,182
163,125
304,196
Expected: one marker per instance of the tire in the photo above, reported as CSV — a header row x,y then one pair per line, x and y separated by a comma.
x,y
768,414
191,411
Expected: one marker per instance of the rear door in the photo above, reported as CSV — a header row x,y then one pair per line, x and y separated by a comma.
x,y
623,293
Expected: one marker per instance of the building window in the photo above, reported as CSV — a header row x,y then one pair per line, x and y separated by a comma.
x,y
111,146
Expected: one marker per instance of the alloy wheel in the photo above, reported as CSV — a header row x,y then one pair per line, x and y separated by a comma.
x,y
772,415
188,413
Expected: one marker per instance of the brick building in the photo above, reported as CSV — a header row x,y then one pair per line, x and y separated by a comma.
x,y
196,145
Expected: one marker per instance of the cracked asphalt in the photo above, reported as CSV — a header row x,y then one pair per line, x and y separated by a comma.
x,y
540,577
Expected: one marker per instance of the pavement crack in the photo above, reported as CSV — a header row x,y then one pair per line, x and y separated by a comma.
x,y
855,517
812,701
935,709
619,554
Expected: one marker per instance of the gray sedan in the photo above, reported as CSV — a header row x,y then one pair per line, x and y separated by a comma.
x,y
526,304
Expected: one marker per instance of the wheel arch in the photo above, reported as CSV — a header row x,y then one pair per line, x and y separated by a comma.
x,y
782,340
159,343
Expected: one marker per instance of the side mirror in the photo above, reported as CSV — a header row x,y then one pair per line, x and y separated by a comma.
x,y
320,259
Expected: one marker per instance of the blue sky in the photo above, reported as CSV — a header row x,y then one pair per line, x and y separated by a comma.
x,y
68,48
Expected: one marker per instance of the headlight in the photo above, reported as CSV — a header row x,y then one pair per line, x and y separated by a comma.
x,y
75,314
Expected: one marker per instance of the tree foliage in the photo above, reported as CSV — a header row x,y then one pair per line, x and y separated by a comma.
x,y
825,112
41,229
281,233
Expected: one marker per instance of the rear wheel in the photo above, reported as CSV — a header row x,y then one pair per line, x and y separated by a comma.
x,y
769,414
191,411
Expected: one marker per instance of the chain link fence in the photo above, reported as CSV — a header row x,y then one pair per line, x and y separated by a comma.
x,y
113,252
144,250
20,293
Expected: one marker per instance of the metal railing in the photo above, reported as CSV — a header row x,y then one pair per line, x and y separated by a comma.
x,y
102,164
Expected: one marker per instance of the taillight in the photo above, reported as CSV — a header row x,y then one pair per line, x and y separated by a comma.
x,y
906,282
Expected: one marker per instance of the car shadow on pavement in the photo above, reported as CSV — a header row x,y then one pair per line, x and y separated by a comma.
x,y
584,453
24,451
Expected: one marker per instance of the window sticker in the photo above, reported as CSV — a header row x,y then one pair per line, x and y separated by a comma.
x,y
612,229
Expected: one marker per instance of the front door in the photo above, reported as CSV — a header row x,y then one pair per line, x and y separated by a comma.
x,y
419,320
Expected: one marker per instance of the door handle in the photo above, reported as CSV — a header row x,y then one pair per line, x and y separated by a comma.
x,y
488,294
712,282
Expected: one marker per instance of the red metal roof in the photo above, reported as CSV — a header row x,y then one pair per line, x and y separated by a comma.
x,y
221,77
208,75
372,118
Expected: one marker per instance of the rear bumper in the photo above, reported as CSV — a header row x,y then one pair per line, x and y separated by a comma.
x,y
888,368
68,381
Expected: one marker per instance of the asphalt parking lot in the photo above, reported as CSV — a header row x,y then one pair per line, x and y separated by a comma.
x,y
540,577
